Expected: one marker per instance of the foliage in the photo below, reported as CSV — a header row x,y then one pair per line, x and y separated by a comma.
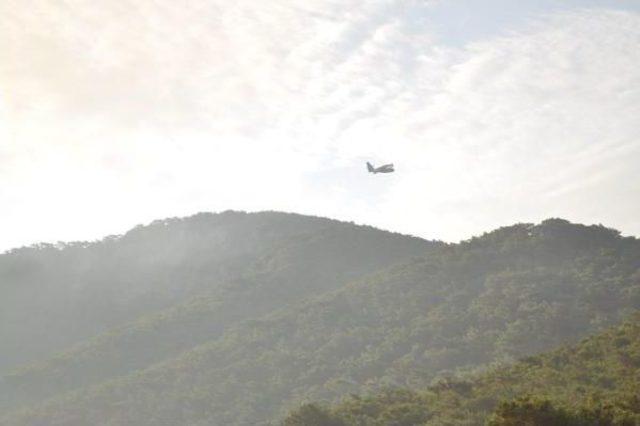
x,y
529,411
593,383
459,308
311,415
164,288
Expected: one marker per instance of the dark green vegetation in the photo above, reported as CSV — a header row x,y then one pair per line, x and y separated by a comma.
x,y
164,288
240,317
593,383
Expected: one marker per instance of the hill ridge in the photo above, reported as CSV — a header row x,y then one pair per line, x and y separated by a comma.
x,y
516,291
294,259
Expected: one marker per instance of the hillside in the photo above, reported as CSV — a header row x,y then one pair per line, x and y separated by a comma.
x,y
129,301
593,383
514,292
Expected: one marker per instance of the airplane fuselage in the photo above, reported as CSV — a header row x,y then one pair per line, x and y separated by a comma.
x,y
383,170
387,168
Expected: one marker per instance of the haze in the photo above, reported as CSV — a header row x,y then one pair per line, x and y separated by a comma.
x,y
119,112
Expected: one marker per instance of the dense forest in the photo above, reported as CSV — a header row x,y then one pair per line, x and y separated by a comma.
x,y
236,319
128,301
593,383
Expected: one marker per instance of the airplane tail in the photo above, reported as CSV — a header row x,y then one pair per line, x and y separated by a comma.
x,y
370,168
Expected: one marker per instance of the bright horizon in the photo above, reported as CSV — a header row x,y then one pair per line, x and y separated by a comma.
x,y
122,113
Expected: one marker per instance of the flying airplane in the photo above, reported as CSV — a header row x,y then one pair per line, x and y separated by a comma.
x,y
387,168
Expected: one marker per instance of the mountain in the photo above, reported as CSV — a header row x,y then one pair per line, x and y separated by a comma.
x,y
510,293
163,288
593,383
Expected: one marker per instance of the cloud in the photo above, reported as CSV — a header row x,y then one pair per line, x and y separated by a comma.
x,y
539,124
122,112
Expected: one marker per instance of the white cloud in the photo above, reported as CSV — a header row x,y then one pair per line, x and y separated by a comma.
x,y
540,127
121,112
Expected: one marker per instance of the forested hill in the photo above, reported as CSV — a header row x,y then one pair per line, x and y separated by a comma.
x,y
52,296
508,294
594,383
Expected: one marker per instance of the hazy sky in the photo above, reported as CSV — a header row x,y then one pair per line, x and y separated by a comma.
x,y
119,112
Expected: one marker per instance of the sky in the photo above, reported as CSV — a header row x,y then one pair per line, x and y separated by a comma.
x,y
115,113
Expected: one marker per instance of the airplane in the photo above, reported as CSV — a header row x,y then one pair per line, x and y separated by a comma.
x,y
387,168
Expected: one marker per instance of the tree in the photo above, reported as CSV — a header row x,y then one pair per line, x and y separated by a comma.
x,y
312,415
532,411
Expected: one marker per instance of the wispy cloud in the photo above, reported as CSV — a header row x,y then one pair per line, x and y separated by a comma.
x,y
118,112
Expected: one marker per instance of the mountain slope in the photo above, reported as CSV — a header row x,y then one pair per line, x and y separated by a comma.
x,y
596,382
510,293
55,295
307,264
